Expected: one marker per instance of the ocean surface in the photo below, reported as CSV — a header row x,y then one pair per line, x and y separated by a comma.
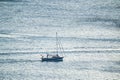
x,y
89,31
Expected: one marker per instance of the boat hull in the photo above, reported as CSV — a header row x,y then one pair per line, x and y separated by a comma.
x,y
55,59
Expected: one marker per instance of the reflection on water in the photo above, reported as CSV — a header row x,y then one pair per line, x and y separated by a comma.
x,y
88,29
84,66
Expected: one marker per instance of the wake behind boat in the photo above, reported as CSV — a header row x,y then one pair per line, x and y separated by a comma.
x,y
56,57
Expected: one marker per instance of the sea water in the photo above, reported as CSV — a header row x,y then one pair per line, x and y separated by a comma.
x,y
89,31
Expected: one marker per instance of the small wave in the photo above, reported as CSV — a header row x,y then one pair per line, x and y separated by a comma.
x,y
17,53
10,0
16,60
111,69
66,51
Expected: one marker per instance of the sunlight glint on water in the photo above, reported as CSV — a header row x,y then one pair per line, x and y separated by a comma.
x,y
88,30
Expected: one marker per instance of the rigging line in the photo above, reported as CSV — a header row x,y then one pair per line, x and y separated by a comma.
x,y
61,47
56,43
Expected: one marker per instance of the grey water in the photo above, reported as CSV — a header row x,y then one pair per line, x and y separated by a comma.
x,y
89,31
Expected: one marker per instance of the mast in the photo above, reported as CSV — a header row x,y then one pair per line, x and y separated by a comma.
x,y
56,43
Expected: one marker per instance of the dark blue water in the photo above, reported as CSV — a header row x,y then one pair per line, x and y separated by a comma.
x,y
89,31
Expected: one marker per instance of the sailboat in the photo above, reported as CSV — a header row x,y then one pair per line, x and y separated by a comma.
x,y
56,57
